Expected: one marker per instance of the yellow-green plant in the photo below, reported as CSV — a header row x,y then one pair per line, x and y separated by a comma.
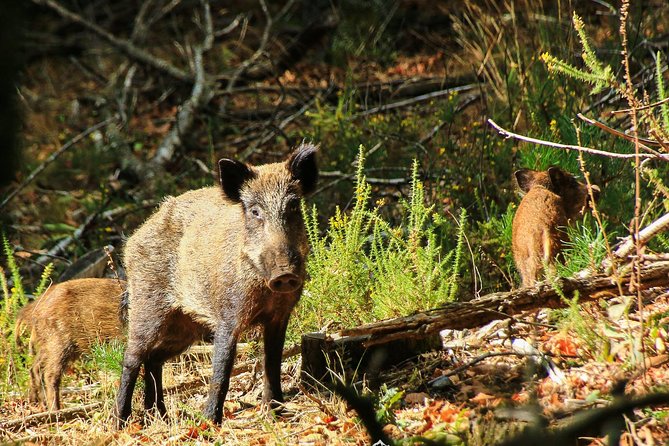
x,y
364,268
14,362
600,76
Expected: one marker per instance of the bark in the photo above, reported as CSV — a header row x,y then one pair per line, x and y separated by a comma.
x,y
503,305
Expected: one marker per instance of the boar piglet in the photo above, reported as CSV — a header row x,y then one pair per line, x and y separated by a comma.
x,y
216,261
553,198
64,323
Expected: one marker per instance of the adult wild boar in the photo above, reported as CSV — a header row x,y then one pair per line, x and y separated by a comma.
x,y
64,323
217,260
553,199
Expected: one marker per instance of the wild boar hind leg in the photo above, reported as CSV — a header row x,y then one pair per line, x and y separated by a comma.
x,y
153,386
225,349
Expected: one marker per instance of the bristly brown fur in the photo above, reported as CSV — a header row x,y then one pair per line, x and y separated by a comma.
x,y
65,322
553,198
217,260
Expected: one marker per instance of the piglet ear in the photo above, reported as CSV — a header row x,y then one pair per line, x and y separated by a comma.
x,y
559,178
303,168
524,178
233,174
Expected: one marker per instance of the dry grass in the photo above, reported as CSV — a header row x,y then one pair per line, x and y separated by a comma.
x,y
473,409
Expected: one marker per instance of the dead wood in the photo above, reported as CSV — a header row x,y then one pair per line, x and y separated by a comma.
x,y
72,142
125,46
503,305
627,246
92,264
45,417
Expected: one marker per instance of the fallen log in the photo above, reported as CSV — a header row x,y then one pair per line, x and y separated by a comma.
x,y
504,305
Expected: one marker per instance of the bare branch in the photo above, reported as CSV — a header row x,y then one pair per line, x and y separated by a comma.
x,y
642,141
421,98
125,46
658,226
54,156
556,145
644,107
44,417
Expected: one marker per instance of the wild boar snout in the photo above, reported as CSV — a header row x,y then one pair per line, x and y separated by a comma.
x,y
285,283
285,272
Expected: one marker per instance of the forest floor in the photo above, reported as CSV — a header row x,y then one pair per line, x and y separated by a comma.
x,y
479,389
490,392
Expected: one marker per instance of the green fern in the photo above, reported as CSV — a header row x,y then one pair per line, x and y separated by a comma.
x,y
455,268
45,279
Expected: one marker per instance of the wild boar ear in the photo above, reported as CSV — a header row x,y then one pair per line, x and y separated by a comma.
x,y
233,174
559,178
302,166
524,178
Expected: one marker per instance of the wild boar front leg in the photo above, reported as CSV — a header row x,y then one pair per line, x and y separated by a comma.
x,y
274,337
225,348
131,366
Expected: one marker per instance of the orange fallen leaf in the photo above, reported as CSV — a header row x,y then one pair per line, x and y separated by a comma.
x,y
482,398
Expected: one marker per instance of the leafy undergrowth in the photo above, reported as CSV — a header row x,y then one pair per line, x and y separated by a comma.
x,y
432,397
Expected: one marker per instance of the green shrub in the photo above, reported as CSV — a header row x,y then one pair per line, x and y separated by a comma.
x,y
364,268
14,362
586,248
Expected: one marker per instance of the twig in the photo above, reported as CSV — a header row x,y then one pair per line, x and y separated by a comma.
x,y
643,107
346,176
556,145
264,139
468,100
125,46
421,98
647,233
321,405
57,416
642,141
483,357
54,156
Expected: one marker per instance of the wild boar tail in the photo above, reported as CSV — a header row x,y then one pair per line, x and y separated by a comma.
x,y
123,308
23,322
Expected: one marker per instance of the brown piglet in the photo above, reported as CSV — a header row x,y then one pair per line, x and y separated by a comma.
x,y
64,323
216,261
552,199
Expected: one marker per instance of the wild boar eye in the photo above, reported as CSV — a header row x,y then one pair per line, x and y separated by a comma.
x,y
255,212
